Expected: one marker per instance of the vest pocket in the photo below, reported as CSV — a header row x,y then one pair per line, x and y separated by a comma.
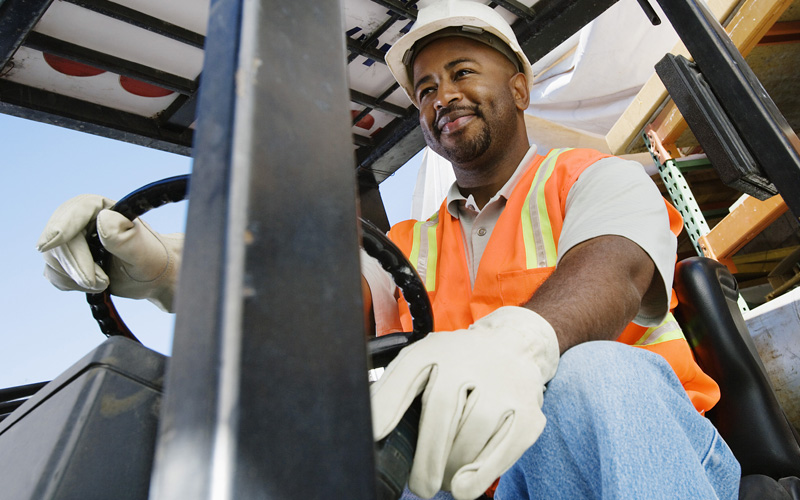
x,y
517,287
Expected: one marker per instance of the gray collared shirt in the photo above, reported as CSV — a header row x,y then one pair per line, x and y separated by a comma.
x,y
477,224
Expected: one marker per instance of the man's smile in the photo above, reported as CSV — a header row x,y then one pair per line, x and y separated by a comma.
x,y
454,120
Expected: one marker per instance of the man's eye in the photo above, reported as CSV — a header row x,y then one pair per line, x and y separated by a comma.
x,y
463,72
424,92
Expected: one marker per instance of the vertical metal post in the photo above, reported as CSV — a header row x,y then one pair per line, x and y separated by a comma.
x,y
267,392
759,122
184,451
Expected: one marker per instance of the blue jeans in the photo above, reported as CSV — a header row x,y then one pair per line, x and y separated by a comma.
x,y
619,425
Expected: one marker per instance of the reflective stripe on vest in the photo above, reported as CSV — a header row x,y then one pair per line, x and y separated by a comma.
x,y
666,331
424,251
537,233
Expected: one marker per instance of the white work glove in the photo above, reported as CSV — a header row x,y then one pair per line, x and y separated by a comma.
x,y
482,399
145,263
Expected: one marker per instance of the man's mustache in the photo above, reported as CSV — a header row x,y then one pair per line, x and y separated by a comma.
x,y
445,115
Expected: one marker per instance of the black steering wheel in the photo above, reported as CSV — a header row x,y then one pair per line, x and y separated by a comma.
x,y
377,245
135,204
395,452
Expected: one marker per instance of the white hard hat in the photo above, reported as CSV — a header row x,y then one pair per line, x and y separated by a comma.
x,y
455,18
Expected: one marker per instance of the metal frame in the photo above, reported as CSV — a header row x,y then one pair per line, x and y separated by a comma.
x,y
56,109
17,19
136,18
713,129
550,22
759,123
539,29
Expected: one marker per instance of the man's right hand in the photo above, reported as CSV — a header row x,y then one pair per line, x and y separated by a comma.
x,y
482,394
145,264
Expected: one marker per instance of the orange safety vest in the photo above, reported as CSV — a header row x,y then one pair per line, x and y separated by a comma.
x,y
520,256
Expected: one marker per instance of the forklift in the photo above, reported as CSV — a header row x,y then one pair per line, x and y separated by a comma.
x,y
265,394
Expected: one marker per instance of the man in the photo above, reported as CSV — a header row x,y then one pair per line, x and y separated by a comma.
x,y
528,258
534,264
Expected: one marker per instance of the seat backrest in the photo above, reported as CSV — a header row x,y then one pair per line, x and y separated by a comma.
x,y
748,415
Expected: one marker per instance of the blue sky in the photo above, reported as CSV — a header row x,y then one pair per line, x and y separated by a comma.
x,y
43,329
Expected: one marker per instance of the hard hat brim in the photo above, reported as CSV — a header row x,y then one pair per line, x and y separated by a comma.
x,y
397,53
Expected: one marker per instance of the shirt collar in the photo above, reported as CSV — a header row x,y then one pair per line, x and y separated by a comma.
x,y
455,199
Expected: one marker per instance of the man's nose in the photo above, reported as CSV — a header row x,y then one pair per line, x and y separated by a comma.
x,y
449,93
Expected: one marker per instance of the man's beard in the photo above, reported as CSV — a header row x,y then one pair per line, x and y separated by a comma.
x,y
465,150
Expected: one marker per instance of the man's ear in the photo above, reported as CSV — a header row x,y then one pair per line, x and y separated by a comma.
x,y
519,89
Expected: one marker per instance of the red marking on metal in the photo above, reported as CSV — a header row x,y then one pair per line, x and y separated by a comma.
x,y
141,88
366,123
71,68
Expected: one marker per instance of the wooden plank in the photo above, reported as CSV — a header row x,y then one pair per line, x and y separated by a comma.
x,y
753,21
774,255
547,134
740,226
761,262
746,28
782,32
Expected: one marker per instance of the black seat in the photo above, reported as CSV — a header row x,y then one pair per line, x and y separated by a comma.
x,y
748,415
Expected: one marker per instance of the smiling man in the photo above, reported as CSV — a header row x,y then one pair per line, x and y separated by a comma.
x,y
536,263
463,117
